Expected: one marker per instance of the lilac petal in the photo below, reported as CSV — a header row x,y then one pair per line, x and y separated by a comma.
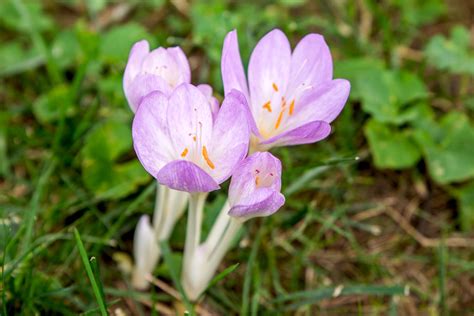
x,y
213,103
306,134
184,175
231,135
269,69
323,103
182,63
189,120
233,75
162,63
135,59
267,202
143,85
150,133
311,64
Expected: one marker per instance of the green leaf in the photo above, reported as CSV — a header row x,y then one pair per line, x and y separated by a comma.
x,y
465,197
10,17
14,58
385,94
52,105
453,54
101,173
390,147
448,148
65,48
115,44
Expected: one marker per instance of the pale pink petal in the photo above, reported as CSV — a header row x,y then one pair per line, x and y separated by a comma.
x,y
141,86
306,134
186,176
233,75
150,133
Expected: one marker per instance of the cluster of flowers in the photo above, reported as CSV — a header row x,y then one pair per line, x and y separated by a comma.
x,y
191,145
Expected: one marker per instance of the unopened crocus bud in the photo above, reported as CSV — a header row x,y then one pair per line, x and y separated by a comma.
x,y
145,252
162,70
255,187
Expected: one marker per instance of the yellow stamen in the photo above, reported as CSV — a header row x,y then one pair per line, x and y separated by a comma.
x,y
257,180
278,122
292,106
194,138
267,106
275,87
206,158
184,153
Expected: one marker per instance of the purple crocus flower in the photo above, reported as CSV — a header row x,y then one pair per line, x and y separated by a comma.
x,y
255,187
179,143
292,95
162,70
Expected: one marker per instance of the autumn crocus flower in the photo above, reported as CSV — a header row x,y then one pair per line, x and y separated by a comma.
x,y
179,143
292,95
162,70
255,187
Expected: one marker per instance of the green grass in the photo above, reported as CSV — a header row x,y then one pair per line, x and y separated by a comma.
x,y
67,163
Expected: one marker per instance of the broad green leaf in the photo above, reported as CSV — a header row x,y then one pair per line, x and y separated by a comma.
x,y
355,70
453,54
101,173
10,17
385,94
448,148
65,49
116,43
52,105
417,13
14,58
390,147
465,197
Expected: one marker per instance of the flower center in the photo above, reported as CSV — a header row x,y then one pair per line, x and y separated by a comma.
x,y
263,180
199,154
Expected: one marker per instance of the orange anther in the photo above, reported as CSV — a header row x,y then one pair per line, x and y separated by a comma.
x,y
275,87
292,106
184,153
257,180
267,106
278,122
206,158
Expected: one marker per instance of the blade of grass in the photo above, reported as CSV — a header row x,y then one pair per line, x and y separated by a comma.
x,y
174,273
442,257
90,274
222,275
313,296
248,273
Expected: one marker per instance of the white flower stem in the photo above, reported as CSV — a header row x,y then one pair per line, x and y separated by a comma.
x,y
161,208
218,227
218,252
193,228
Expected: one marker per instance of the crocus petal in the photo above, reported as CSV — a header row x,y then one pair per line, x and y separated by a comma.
x,y
309,133
233,75
255,187
141,86
189,120
135,59
267,202
311,64
269,69
186,176
169,66
323,103
231,135
150,133
182,64
213,103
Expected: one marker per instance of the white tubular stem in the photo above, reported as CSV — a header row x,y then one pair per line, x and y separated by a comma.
x,y
161,208
193,228
229,234
175,207
218,227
